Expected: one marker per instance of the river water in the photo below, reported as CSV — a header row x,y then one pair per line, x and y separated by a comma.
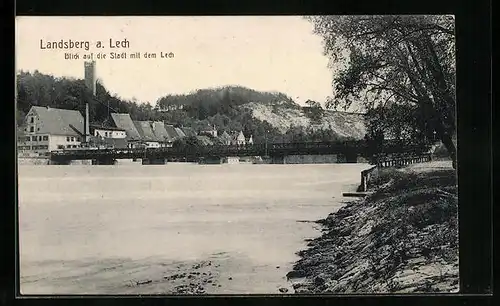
x,y
129,229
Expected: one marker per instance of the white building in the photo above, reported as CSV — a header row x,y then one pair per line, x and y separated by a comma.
x,y
108,132
47,129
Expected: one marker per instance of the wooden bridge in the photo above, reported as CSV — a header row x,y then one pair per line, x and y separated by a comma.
x,y
350,150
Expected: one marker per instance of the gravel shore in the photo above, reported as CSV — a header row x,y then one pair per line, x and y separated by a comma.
x,y
403,238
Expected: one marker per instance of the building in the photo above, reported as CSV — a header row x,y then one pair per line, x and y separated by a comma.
x,y
148,137
172,132
237,138
162,134
210,131
124,122
205,140
180,132
189,132
46,129
108,143
225,139
107,132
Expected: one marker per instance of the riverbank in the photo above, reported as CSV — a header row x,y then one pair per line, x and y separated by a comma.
x,y
403,238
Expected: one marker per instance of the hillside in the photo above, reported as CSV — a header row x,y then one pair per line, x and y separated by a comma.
x,y
282,117
264,115
211,98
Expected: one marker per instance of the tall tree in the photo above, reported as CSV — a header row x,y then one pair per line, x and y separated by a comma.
x,y
395,60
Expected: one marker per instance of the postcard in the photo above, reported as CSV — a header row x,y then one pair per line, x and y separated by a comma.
x,y
234,155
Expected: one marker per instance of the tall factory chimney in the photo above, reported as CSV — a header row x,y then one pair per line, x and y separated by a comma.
x,y
90,82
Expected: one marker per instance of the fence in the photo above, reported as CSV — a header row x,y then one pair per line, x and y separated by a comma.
x,y
368,174
403,160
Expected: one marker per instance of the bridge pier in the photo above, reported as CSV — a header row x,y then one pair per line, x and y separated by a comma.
x,y
154,161
347,158
278,160
212,160
59,162
104,161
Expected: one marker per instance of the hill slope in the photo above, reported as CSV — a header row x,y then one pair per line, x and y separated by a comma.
x,y
282,117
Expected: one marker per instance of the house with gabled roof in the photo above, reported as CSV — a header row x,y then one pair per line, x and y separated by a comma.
x,y
161,134
180,132
205,140
225,138
238,138
172,133
210,131
189,132
146,133
249,141
123,121
46,129
107,131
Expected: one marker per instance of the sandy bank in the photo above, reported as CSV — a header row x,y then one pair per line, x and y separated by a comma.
x,y
401,239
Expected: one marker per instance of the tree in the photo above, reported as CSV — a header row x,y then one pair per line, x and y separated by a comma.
x,y
395,60
315,111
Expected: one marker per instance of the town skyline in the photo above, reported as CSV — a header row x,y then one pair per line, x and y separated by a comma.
x,y
264,53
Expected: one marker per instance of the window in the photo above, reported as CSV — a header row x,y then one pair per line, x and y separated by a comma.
x,y
105,134
32,129
32,120
78,139
60,147
72,138
39,138
67,139
45,138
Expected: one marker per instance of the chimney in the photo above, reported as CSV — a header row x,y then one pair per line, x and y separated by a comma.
x,y
90,82
86,125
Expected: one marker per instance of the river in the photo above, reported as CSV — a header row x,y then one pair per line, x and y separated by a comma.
x,y
175,228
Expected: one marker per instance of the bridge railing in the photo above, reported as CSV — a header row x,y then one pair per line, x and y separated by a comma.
x,y
338,147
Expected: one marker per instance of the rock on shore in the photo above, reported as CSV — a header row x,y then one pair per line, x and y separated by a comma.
x,y
401,239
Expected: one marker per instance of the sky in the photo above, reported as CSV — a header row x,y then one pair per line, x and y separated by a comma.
x,y
268,53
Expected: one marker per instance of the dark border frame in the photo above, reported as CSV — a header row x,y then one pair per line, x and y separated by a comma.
x,y
474,107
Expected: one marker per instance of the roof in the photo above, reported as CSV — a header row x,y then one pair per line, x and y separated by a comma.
x,y
160,131
225,136
235,135
208,128
205,140
57,121
124,121
145,130
189,132
171,131
180,132
104,127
